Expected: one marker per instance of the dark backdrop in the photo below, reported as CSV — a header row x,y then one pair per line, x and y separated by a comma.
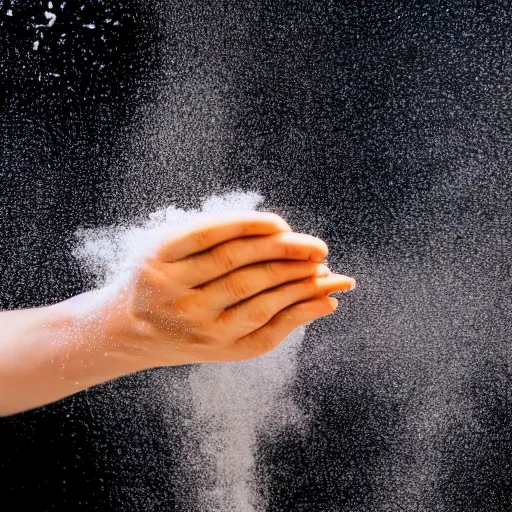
x,y
384,127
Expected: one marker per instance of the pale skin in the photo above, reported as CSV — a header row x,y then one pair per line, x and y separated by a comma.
x,y
225,289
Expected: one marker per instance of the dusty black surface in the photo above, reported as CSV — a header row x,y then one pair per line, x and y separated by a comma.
x,y
384,127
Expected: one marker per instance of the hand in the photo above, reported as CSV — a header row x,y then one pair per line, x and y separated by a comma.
x,y
226,289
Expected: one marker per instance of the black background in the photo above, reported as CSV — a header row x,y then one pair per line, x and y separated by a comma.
x,y
384,127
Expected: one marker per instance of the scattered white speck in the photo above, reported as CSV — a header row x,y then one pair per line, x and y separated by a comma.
x,y
90,25
51,17
55,74
50,5
35,46
9,12
62,5
108,20
117,23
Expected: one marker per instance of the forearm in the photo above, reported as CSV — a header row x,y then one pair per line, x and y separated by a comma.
x,y
49,353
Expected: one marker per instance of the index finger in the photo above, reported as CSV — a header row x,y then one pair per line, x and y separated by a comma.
x,y
216,229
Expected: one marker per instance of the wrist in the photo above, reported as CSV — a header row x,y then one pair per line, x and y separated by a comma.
x,y
90,340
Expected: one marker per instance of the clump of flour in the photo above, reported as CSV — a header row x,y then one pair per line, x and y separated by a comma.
x,y
110,255
233,404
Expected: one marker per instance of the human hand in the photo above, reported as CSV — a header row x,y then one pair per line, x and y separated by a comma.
x,y
226,289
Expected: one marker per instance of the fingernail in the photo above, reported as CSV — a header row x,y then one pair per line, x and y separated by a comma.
x,y
322,270
334,302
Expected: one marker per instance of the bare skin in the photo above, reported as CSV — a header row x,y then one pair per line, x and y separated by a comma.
x,y
227,289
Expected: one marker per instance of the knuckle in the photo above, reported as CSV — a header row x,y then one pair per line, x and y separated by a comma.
x,y
201,237
273,271
146,274
247,228
277,219
191,265
226,317
287,250
223,258
237,285
259,314
311,286
185,307
149,283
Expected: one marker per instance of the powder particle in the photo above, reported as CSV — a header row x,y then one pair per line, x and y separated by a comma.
x,y
233,403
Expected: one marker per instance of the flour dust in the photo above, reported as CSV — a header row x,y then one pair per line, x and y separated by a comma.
x,y
233,404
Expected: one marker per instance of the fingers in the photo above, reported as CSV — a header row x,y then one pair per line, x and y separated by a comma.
x,y
223,259
211,231
274,332
253,313
247,282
